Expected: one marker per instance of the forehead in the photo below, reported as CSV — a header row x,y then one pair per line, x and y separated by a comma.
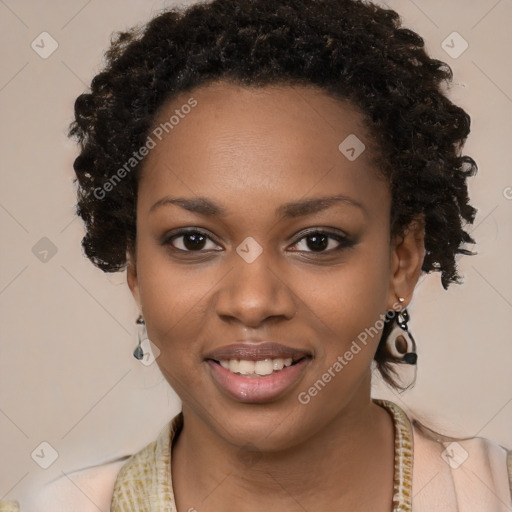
x,y
259,141
295,116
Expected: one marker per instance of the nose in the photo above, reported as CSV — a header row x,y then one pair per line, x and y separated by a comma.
x,y
252,293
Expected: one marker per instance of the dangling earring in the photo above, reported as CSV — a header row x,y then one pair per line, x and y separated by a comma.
x,y
138,353
404,350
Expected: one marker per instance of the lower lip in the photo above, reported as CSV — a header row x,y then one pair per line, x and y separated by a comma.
x,y
253,389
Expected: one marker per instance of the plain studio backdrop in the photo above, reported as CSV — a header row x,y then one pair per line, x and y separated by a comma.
x,y
72,395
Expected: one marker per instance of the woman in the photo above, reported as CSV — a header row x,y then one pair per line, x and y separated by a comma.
x,y
274,176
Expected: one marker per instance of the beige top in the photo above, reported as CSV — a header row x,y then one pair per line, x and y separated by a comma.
x,y
430,475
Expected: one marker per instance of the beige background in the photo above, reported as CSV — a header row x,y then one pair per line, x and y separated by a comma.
x,y
67,374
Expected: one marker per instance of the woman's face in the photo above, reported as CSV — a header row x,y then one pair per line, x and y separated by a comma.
x,y
264,259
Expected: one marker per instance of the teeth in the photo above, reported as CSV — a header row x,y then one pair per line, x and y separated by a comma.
x,y
278,364
261,367
265,367
245,367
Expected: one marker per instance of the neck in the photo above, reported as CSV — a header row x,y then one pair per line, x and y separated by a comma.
x,y
348,462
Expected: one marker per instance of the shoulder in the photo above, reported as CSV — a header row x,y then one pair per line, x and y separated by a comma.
x,y
470,473
92,489
85,490
135,469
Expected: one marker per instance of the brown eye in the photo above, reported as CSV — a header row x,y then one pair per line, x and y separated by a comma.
x,y
322,241
194,241
317,242
190,241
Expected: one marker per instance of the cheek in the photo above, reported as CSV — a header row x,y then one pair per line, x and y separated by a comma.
x,y
173,299
349,296
346,308
166,288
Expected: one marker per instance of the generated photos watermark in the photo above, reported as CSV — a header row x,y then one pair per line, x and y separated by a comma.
x,y
304,397
152,140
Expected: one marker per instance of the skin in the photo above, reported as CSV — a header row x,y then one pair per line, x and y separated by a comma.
x,y
250,151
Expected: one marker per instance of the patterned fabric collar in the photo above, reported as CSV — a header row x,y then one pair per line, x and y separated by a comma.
x,y
144,482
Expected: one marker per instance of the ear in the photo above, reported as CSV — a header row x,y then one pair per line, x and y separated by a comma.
x,y
131,277
407,255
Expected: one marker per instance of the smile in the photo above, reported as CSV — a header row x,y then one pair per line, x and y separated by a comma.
x,y
260,382
256,368
257,371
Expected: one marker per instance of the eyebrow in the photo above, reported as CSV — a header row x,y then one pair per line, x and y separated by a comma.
x,y
204,206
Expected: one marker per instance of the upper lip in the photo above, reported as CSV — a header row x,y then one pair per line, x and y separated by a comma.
x,y
256,352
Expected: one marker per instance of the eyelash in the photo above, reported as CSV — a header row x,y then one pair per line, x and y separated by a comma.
x,y
343,241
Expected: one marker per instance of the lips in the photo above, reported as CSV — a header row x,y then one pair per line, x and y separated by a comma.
x,y
267,386
256,352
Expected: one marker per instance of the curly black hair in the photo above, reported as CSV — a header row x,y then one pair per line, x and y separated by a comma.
x,y
353,50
